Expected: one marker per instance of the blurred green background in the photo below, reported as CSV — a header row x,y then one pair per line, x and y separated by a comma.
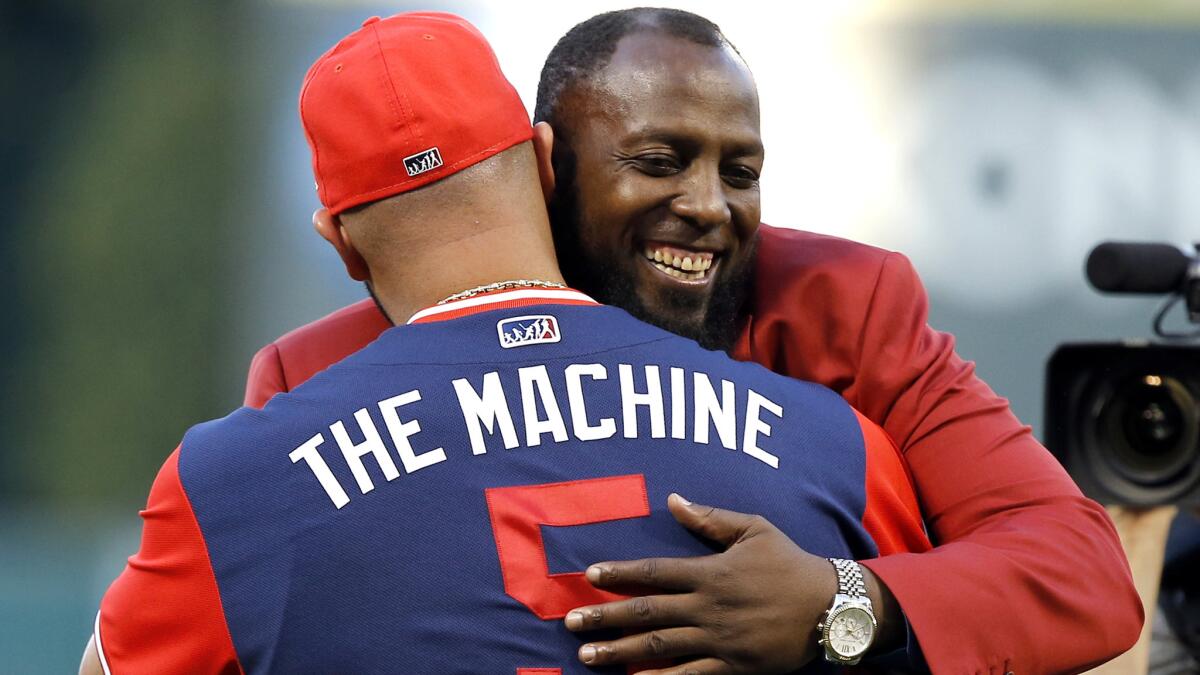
x,y
118,223
116,185
156,194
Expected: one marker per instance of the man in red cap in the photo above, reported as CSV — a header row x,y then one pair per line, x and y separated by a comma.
x,y
1028,576
426,504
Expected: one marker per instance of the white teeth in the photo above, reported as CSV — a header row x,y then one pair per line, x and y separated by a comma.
x,y
679,274
687,267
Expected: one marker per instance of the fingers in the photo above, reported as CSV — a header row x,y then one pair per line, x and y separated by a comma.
x,y
701,667
639,612
719,525
656,644
670,574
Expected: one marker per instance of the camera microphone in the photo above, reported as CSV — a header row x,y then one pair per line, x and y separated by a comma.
x,y
1131,267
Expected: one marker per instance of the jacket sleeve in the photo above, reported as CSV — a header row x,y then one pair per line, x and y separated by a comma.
x,y
1027,575
163,614
265,378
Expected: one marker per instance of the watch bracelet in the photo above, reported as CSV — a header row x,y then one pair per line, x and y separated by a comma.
x,y
850,577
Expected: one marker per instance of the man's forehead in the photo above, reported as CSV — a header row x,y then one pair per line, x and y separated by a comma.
x,y
653,58
662,80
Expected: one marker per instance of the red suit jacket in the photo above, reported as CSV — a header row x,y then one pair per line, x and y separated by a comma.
x,y
1028,575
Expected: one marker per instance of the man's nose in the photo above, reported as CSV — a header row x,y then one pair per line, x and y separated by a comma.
x,y
702,201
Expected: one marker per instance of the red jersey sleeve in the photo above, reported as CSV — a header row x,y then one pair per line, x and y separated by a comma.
x,y
892,516
163,613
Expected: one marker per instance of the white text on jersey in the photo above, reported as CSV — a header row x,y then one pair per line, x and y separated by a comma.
x,y
486,412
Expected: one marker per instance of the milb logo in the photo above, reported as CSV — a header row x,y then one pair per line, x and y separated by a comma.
x,y
421,162
528,330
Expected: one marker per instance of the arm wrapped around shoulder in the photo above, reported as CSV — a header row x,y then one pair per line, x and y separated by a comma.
x,y
1028,575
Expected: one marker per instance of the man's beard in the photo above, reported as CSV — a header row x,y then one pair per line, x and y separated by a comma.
x,y
582,269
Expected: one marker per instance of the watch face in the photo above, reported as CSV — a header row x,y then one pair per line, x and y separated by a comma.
x,y
849,632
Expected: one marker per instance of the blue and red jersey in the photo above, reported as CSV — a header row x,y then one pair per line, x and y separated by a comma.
x,y
428,504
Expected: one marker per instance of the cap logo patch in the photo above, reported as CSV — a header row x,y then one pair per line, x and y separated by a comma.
x,y
528,330
422,162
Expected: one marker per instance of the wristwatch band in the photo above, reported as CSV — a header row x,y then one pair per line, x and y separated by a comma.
x,y
850,578
848,628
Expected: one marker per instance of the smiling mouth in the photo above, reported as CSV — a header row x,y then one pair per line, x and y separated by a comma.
x,y
679,263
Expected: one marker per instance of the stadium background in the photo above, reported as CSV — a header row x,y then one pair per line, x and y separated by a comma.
x,y
156,198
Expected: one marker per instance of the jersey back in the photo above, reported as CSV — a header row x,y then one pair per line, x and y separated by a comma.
x,y
428,504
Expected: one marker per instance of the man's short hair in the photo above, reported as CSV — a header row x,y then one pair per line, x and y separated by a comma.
x,y
588,47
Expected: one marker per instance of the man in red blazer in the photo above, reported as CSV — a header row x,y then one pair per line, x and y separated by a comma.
x,y
1027,575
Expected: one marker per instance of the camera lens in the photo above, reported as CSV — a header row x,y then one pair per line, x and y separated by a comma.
x,y
1124,419
1152,425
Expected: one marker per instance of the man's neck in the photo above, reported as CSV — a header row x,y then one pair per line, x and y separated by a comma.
x,y
428,276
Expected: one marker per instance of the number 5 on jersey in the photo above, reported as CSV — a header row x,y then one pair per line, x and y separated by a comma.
x,y
518,514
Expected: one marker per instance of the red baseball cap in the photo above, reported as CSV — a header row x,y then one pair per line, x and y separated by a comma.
x,y
403,102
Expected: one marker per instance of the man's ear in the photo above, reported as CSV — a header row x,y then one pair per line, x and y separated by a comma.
x,y
543,148
331,230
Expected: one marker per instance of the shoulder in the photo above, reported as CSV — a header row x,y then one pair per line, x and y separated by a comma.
x,y
813,299
296,356
785,254
340,333
221,443
748,374
828,274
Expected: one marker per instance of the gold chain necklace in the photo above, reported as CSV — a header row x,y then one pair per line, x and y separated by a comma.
x,y
501,286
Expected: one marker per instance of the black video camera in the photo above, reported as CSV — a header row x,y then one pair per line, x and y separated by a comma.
x,y
1124,418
